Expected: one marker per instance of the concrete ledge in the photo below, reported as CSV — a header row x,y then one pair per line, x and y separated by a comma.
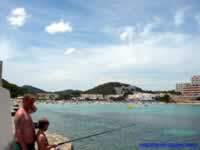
x,y
55,139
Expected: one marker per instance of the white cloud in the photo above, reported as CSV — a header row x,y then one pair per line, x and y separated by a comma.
x,y
180,16
131,33
69,51
134,63
197,18
127,34
124,35
163,54
148,28
17,17
57,27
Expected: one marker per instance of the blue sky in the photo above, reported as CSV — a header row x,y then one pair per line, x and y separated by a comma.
x,y
63,44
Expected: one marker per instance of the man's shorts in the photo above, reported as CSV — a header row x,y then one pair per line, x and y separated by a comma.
x,y
17,146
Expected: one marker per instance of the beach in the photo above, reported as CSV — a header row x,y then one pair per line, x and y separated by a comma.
x,y
112,102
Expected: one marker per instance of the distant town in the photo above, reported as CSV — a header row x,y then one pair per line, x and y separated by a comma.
x,y
188,92
120,92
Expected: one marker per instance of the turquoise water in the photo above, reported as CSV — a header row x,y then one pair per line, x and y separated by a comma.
x,y
153,124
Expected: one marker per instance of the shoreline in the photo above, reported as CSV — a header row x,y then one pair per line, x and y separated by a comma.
x,y
109,102
55,138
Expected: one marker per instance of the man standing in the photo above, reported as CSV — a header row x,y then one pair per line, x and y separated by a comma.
x,y
24,128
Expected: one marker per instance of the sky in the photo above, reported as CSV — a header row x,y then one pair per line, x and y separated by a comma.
x,y
75,44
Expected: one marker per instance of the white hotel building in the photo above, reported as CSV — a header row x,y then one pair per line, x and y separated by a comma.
x,y
180,87
196,80
190,89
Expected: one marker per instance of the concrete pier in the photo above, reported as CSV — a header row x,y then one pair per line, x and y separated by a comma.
x,y
6,123
1,66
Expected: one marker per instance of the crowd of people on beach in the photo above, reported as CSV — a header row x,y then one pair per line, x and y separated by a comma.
x,y
25,135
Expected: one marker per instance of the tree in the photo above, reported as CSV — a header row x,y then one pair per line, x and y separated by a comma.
x,y
15,90
165,98
198,98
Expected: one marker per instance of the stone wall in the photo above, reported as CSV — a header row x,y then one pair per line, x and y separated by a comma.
x,y
5,115
54,138
1,64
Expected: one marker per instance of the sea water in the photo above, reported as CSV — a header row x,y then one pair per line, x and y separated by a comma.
x,y
153,124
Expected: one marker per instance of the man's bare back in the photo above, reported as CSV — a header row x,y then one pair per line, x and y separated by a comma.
x,y
24,128
23,122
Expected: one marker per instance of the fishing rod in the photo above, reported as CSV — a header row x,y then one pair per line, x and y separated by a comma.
x,y
96,134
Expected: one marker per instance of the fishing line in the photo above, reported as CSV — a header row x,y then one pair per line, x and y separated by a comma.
x,y
96,134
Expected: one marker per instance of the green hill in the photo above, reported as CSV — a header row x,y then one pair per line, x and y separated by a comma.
x,y
14,89
113,88
68,93
33,90
105,89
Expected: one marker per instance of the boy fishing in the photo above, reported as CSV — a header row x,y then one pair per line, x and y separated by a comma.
x,y
42,140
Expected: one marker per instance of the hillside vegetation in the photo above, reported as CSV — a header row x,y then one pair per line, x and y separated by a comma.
x,y
113,88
